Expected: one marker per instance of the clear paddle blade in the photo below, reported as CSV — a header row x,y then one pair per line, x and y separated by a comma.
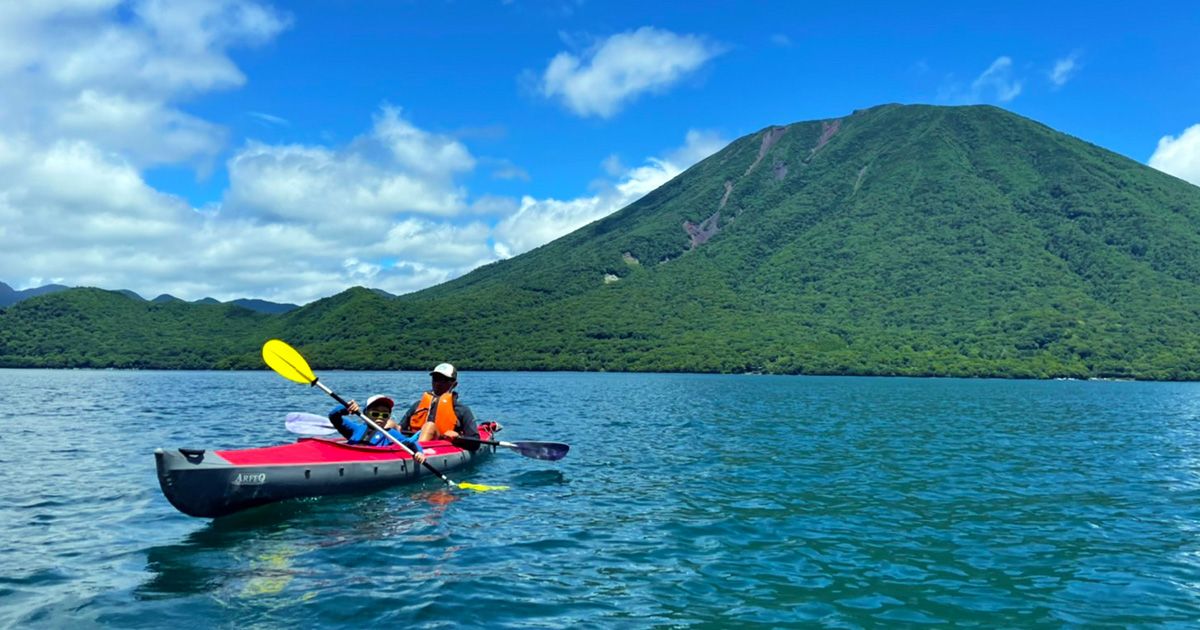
x,y
309,424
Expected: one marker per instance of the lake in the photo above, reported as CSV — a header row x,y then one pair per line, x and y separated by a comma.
x,y
686,500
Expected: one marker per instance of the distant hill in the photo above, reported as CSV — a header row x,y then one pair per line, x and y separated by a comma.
x,y
263,306
917,240
8,297
86,327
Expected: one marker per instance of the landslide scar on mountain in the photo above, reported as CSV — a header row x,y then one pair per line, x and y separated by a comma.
x,y
858,182
704,231
725,198
769,138
827,130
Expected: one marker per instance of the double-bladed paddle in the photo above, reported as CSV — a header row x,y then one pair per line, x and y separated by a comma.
x,y
312,424
551,451
290,365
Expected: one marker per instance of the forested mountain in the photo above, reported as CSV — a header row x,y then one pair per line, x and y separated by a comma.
x,y
896,240
9,296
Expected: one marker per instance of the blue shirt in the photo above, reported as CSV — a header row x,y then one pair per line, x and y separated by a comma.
x,y
358,432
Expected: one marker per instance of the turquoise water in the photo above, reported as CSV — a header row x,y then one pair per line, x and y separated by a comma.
x,y
686,500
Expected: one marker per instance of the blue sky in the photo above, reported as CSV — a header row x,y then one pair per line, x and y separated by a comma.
x,y
287,151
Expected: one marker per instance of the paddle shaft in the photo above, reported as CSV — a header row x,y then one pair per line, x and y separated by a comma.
x,y
490,442
317,383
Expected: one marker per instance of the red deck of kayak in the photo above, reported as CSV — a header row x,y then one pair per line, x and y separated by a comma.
x,y
327,451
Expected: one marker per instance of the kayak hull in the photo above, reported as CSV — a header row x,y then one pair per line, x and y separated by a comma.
x,y
210,484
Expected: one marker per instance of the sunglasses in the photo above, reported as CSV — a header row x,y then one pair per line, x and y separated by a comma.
x,y
379,415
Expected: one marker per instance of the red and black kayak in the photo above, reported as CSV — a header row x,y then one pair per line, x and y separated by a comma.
x,y
216,483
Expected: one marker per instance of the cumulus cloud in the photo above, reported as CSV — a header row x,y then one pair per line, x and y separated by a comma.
x,y
1179,155
1064,70
75,212
84,215
387,209
113,73
539,221
396,168
996,84
618,69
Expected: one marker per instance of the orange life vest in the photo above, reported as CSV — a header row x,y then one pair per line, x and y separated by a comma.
x,y
444,417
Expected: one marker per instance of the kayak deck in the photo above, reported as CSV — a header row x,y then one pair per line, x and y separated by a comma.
x,y
210,484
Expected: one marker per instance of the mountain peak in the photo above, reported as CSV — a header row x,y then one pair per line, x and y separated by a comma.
x,y
901,239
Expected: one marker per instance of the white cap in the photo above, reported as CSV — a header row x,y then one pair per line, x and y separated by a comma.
x,y
379,398
445,369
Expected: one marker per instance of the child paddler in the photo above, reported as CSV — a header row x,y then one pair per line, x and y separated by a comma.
x,y
379,410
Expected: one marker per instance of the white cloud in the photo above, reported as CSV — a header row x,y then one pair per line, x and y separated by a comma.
x,y
272,119
78,129
539,221
113,73
1179,156
996,84
781,40
449,247
622,67
997,81
1064,69
395,168
509,171
110,120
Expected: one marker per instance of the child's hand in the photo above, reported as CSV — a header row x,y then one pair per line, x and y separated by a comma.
x,y
352,407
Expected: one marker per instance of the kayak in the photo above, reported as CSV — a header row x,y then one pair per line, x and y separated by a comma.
x,y
215,483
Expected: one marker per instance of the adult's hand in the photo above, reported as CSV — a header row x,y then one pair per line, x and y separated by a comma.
x,y
450,435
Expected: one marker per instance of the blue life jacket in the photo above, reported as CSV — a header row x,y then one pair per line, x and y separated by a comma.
x,y
362,433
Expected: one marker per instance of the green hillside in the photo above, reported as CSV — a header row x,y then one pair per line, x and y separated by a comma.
x,y
95,328
897,240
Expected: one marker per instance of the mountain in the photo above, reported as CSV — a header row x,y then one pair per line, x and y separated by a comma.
x,y
86,327
263,306
915,240
10,296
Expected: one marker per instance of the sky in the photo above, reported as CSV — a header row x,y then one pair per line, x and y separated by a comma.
x,y
288,151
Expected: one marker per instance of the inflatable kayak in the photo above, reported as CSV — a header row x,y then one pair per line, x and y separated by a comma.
x,y
215,483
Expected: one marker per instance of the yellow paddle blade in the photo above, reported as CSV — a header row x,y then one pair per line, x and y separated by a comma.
x,y
287,362
479,487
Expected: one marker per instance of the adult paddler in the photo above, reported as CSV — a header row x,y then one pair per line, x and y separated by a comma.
x,y
439,414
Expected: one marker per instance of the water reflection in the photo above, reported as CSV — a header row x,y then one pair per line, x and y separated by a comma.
x,y
538,478
260,553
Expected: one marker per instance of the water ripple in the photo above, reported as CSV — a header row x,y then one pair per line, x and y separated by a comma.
x,y
765,501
